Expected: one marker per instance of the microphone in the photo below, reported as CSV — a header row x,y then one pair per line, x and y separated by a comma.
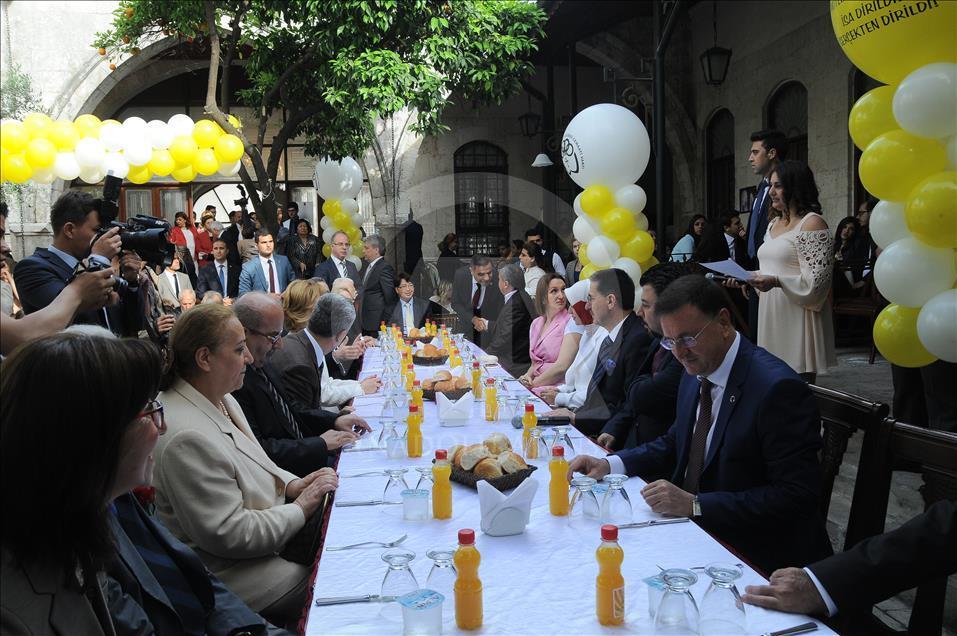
x,y
718,278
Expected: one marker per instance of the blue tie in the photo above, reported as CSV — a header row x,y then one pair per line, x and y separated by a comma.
x,y
753,221
222,278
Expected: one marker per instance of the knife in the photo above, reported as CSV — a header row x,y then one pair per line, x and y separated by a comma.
x,y
797,629
341,600
363,449
370,502
652,522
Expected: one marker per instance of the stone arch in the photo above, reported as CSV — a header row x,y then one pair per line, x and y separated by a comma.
x,y
718,162
786,108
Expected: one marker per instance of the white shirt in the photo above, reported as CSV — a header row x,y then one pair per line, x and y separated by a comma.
x,y
828,601
508,295
190,241
532,275
225,267
408,312
264,263
719,381
730,240
558,265
171,277
320,356
481,293
572,394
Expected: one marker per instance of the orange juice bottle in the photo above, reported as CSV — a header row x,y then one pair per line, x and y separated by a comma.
x,y
491,401
610,585
476,380
558,485
417,395
454,359
468,586
409,377
414,432
441,488
382,329
529,422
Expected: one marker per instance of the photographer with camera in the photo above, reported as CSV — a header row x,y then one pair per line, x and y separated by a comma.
x,y
76,222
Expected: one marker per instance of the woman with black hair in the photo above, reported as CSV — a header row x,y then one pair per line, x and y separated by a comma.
x,y
533,264
685,247
303,250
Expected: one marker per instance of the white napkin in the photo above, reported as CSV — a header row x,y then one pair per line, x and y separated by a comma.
x,y
506,515
455,413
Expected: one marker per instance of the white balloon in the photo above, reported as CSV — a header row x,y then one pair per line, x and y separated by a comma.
x,y
887,223
134,124
910,273
328,232
602,251
630,266
357,219
607,144
159,134
92,175
349,206
584,229
925,102
951,145
137,150
355,260
641,222
180,124
631,197
577,206
328,176
351,175
65,166
112,136
324,222
937,325
43,175
230,169
117,164
89,153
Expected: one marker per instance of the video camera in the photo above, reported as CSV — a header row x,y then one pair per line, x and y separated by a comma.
x,y
145,235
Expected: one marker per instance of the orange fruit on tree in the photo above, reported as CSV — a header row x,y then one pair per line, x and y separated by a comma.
x,y
101,50
129,12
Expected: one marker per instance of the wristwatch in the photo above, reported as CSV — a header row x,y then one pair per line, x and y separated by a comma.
x,y
695,507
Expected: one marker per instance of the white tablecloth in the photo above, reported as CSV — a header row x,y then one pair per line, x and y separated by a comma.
x,y
539,582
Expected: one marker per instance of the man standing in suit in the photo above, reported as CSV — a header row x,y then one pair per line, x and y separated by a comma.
x,y
611,299
269,272
299,443
534,235
221,275
741,456
506,333
336,266
377,296
231,235
474,295
171,284
41,277
410,311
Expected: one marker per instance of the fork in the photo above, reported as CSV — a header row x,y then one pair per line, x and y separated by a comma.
x,y
390,544
371,472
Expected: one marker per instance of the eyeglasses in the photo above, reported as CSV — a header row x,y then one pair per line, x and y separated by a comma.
x,y
273,338
406,286
154,411
688,342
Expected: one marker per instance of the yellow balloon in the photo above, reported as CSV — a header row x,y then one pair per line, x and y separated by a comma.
x,y
648,264
41,153
872,115
587,271
88,125
639,247
596,200
618,224
139,174
38,125
326,249
184,174
583,255
65,135
331,207
888,40
206,132
236,122
931,210
895,335
205,161
896,161
354,234
112,121
228,148
14,136
183,149
16,168
161,163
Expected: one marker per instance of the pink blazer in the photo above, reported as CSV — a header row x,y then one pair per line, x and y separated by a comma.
x,y
544,347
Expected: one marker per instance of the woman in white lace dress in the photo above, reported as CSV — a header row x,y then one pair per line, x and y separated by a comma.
x,y
797,263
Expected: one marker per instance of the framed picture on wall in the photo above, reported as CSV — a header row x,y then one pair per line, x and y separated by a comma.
x,y
746,199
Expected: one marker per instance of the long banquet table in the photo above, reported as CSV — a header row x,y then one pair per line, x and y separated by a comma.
x,y
538,582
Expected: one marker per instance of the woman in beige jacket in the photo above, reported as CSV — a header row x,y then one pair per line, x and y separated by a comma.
x,y
217,490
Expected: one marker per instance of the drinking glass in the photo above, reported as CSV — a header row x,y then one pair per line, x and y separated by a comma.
x,y
395,486
583,503
615,505
562,437
513,407
442,578
722,611
532,450
388,431
677,612
398,580
425,480
390,408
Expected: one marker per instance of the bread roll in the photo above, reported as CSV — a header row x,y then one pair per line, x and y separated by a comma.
x,y
512,462
461,382
414,332
488,468
428,384
429,351
497,443
440,352
444,385
442,375
453,452
472,455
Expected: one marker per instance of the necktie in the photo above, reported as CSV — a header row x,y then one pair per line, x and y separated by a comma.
x,y
342,269
754,219
699,439
222,278
408,317
191,612
272,279
293,425
598,373
659,360
475,299
176,285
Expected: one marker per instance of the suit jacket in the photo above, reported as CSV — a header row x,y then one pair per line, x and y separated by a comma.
x,y
272,429
603,409
167,292
327,271
422,310
208,279
508,334
759,221
145,599
413,245
462,303
253,278
377,295
231,236
880,566
219,493
41,277
760,483
300,382
651,399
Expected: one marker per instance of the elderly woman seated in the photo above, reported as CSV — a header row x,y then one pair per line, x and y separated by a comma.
x,y
217,490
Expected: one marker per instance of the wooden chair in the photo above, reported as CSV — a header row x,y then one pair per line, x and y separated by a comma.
x,y
867,305
449,320
842,414
935,452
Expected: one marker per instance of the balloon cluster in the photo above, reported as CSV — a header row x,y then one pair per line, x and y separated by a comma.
x,y
338,183
605,149
40,150
907,131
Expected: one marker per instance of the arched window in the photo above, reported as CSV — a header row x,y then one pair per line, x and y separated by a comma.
x,y
787,111
719,148
481,197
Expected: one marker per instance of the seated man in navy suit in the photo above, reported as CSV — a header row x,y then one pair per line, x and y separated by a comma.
x,y
742,453
268,272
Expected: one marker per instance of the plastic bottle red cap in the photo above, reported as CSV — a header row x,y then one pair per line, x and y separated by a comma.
x,y
467,536
609,532
416,383
413,408
410,366
490,381
559,451
529,408
441,454
475,365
